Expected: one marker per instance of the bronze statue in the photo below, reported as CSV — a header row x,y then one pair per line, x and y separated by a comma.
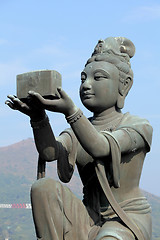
x,y
108,148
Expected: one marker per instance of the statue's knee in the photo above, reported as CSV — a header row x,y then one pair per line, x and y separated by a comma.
x,y
42,187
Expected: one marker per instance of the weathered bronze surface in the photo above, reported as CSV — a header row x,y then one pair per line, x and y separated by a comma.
x,y
44,82
109,149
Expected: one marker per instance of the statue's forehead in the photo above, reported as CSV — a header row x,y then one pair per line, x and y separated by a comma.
x,y
106,66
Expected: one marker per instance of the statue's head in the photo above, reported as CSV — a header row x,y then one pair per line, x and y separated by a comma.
x,y
108,70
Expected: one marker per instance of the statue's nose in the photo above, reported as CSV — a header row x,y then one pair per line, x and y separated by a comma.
x,y
87,84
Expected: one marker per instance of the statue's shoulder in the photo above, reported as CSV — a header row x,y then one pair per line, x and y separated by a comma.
x,y
68,131
70,134
132,120
140,125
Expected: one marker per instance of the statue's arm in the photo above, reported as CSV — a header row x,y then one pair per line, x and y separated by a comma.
x,y
49,147
46,143
128,139
97,144
90,139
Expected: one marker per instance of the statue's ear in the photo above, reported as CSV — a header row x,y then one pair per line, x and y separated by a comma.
x,y
124,88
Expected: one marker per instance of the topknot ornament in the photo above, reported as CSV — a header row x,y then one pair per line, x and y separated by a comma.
x,y
118,45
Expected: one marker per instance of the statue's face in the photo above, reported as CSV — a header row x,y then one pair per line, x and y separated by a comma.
x,y
99,87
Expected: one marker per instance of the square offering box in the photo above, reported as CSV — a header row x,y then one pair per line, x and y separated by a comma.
x,y
44,82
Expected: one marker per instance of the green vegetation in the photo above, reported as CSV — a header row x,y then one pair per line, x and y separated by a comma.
x,y
14,189
16,224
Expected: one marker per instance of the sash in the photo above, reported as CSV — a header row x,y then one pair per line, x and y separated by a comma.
x,y
100,171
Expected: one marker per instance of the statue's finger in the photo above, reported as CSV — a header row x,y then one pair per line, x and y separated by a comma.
x,y
11,97
11,105
17,101
25,106
37,96
62,93
14,99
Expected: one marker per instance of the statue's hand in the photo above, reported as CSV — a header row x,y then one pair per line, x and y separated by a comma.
x,y
63,104
34,110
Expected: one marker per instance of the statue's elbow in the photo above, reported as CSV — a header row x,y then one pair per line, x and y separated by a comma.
x,y
100,152
48,154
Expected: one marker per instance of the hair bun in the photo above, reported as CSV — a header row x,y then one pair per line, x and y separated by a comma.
x,y
126,46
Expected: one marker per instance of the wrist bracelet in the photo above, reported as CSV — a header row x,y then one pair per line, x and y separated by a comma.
x,y
40,124
74,117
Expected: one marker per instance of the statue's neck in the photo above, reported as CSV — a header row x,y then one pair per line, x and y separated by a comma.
x,y
106,118
111,112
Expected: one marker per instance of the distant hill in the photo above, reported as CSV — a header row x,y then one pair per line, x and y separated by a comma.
x,y
20,160
18,172
155,204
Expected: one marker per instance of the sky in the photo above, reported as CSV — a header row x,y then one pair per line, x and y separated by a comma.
x,y
61,35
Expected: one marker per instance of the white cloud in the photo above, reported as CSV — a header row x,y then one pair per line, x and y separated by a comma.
x,y
143,13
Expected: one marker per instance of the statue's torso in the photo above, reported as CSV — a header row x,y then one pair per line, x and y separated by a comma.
x,y
130,170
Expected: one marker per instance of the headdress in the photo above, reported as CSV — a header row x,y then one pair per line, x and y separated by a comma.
x,y
115,50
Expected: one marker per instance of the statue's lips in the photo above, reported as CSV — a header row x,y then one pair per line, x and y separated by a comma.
x,y
87,95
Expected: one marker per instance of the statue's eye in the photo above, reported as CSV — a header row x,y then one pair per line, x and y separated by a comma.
x,y
100,75
83,77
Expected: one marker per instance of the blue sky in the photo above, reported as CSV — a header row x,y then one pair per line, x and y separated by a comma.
x,y
61,35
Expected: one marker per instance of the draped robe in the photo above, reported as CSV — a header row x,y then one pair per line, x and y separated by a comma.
x,y
58,214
